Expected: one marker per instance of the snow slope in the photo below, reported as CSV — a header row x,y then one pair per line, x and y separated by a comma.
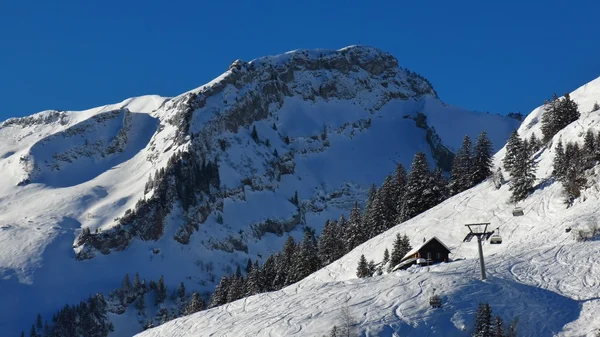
x,y
539,273
64,171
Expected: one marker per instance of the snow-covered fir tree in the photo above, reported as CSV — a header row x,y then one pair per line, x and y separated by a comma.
x,y
418,189
398,189
522,172
483,321
236,288
363,267
331,244
306,259
196,304
254,283
219,296
512,145
482,158
401,248
461,177
161,291
355,232
549,119
439,187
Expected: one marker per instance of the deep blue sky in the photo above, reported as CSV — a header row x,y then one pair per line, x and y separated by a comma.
x,y
496,56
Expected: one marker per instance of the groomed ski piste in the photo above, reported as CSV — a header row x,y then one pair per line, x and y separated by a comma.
x,y
539,274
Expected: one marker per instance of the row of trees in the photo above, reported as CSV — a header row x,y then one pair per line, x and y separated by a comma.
x,y
90,318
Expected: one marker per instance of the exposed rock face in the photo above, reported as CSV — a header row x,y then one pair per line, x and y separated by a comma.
x,y
246,93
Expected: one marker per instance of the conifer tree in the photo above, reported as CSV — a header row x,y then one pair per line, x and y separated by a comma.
x,y
589,148
534,143
573,178
39,325
559,161
331,245
363,267
418,189
596,107
386,257
498,330
512,145
32,333
181,292
483,321
439,187
400,249
219,296
126,284
284,263
254,134
306,260
140,304
137,285
568,112
388,203
461,177
161,291
268,272
196,304
371,268
355,233
253,282
482,159
549,119
236,289
22,333
399,188
522,174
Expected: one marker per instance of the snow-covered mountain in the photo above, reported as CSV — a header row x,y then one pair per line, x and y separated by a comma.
x,y
539,274
183,187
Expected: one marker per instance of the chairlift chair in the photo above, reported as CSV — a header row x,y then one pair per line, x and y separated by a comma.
x,y
518,211
435,301
496,238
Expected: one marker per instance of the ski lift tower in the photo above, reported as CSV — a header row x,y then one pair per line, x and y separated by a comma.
x,y
480,231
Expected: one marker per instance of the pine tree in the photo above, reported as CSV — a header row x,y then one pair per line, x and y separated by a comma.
x,y
573,178
439,187
482,159
461,177
254,282
568,112
236,289
137,285
589,149
181,292
386,257
161,291
513,143
254,134
355,233
483,321
331,243
522,174
534,143
268,272
32,332
219,297
559,161
498,330
549,119
596,107
39,325
140,304
126,284
196,304
398,189
372,268
376,217
284,263
388,203
363,267
399,250
248,265
418,189
306,259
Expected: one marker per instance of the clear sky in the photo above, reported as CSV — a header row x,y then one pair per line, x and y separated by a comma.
x,y
496,56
